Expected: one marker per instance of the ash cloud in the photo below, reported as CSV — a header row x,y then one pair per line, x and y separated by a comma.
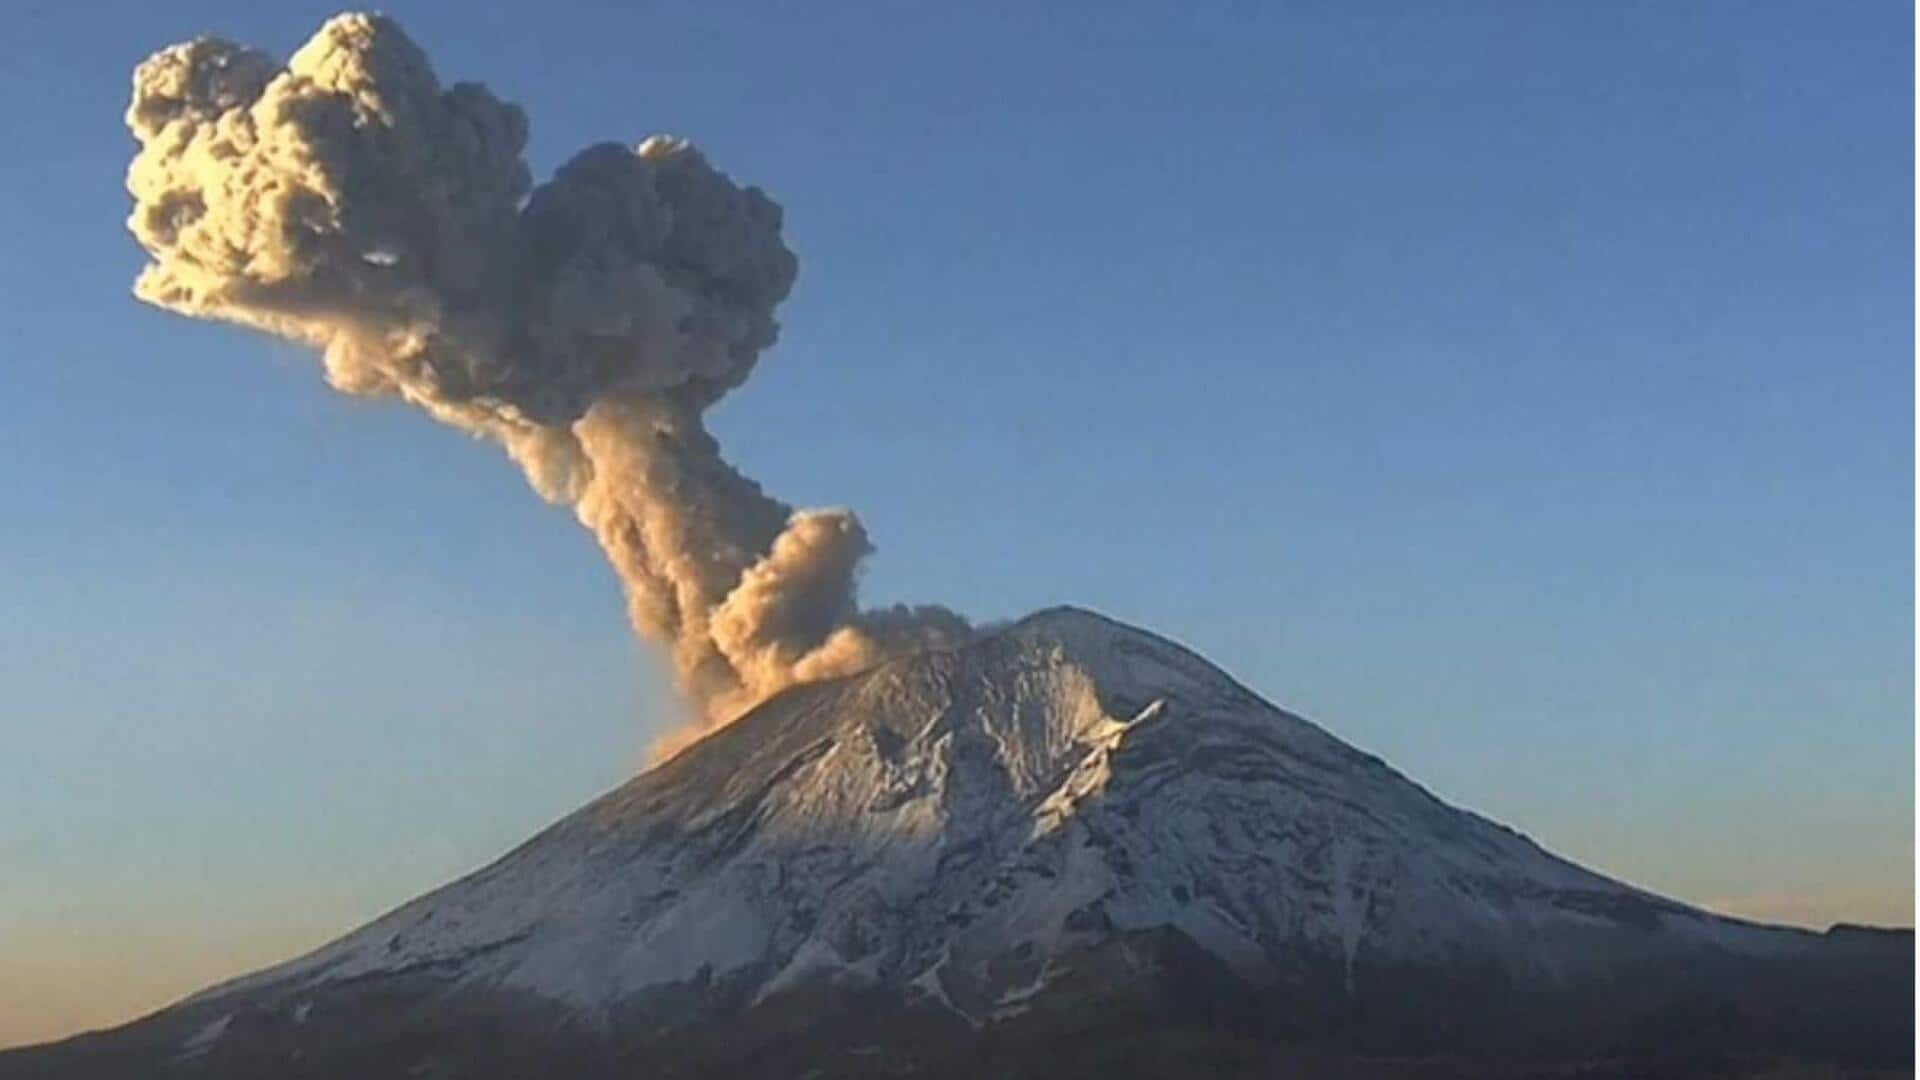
x,y
349,201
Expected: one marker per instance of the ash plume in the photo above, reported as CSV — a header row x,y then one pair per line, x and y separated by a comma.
x,y
350,202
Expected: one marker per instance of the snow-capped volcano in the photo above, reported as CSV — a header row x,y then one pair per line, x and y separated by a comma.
x,y
1067,810
955,822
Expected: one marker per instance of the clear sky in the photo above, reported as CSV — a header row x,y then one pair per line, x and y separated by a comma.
x,y
1522,391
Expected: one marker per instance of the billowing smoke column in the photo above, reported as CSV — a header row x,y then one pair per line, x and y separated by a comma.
x,y
350,202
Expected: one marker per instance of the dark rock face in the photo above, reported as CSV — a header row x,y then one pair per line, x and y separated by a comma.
x,y
1070,848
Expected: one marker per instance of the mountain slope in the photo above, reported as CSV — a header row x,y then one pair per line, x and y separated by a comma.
x,y
1066,819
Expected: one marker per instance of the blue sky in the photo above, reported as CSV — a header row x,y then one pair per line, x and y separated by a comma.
x,y
1524,392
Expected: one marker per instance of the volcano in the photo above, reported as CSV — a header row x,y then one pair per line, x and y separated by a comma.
x,y
1066,847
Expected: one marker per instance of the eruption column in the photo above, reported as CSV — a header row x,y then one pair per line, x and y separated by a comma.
x,y
350,202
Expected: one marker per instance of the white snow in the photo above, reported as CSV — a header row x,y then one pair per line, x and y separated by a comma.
x,y
202,1040
957,821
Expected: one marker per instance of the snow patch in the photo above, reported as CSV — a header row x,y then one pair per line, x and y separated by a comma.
x,y
202,1040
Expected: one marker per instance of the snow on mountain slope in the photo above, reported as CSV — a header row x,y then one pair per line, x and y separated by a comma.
x,y
961,824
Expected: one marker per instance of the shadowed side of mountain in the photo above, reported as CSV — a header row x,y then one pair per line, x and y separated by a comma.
x,y
1186,1018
